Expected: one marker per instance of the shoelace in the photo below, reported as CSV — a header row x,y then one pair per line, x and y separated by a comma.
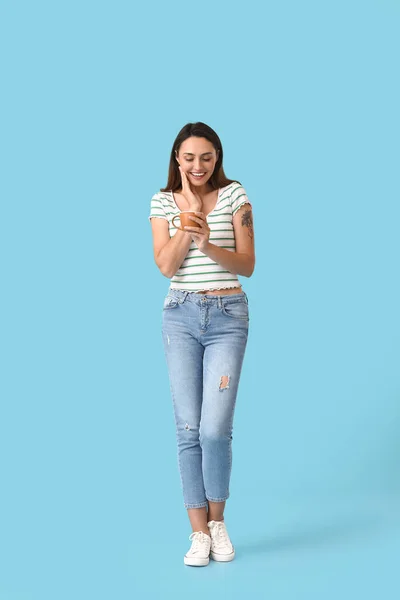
x,y
199,539
221,535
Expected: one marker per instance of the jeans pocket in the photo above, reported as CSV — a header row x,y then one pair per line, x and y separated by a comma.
x,y
170,302
236,310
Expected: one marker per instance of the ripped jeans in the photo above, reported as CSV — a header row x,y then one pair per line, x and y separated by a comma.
x,y
204,338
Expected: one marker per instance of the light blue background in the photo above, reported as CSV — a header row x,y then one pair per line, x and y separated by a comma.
x,y
305,98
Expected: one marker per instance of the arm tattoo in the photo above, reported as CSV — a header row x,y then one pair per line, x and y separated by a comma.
x,y
247,221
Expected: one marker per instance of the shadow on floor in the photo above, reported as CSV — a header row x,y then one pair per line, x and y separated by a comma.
x,y
340,531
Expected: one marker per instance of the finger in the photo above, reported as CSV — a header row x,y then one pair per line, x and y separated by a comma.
x,y
200,220
183,178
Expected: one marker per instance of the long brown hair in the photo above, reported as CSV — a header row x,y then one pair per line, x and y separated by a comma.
x,y
218,179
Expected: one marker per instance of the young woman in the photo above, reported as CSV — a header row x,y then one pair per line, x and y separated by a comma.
x,y
205,324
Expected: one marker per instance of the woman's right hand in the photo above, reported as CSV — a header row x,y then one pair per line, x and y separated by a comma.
x,y
193,198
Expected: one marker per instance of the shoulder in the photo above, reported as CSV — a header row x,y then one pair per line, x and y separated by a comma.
x,y
162,196
161,205
233,189
227,192
236,192
162,199
238,198
236,187
228,189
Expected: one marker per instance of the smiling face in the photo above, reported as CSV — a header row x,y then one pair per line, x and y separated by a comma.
x,y
197,155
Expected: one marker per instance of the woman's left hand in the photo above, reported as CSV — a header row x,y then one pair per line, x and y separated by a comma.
x,y
200,236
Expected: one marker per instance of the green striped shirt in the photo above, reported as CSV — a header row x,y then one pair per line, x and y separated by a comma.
x,y
198,272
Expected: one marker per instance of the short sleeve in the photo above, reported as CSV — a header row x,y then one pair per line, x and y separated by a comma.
x,y
157,208
238,197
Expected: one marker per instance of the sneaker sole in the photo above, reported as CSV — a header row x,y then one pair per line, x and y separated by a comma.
x,y
223,557
196,562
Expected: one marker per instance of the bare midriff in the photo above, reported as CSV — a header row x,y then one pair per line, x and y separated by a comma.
x,y
235,290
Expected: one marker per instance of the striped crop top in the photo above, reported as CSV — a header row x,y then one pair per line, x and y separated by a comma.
x,y
198,272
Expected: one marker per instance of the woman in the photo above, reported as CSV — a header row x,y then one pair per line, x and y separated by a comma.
x,y
205,324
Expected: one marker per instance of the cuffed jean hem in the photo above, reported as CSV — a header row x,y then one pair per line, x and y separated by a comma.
x,y
217,499
196,505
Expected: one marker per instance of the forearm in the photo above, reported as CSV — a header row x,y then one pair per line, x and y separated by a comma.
x,y
236,262
172,255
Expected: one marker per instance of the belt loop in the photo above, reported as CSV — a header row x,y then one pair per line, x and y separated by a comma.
x,y
184,297
219,301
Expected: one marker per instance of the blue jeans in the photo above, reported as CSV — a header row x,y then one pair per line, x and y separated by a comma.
x,y
204,338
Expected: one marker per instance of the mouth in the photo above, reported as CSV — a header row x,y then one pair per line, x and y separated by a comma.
x,y
198,175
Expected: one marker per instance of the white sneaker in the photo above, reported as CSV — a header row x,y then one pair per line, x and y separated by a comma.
x,y
199,553
222,549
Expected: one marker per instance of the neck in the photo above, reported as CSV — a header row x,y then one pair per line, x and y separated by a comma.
x,y
203,190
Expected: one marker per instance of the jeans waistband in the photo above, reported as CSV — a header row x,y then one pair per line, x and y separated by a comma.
x,y
219,299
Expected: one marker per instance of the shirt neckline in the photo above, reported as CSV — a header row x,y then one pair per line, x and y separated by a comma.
x,y
216,204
